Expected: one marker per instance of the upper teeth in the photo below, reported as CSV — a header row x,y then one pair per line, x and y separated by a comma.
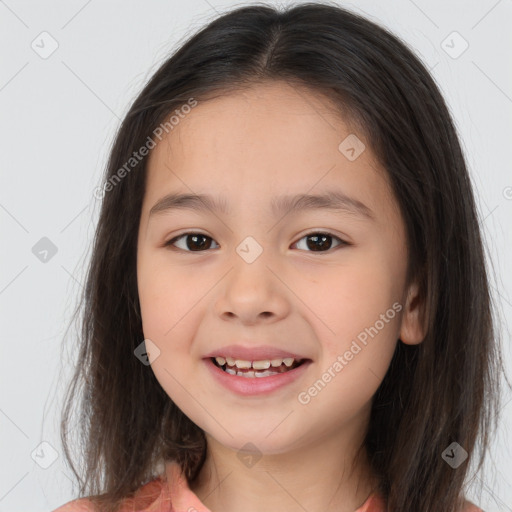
x,y
257,365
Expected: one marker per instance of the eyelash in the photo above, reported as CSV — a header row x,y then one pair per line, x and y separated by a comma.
x,y
171,242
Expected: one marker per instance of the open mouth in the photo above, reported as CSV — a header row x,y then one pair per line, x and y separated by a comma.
x,y
256,369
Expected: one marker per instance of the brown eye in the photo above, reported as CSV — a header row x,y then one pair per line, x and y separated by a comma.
x,y
197,242
320,242
194,242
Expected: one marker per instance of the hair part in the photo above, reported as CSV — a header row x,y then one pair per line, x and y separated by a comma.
x,y
441,391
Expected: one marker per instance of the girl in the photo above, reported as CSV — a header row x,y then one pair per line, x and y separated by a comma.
x,y
287,306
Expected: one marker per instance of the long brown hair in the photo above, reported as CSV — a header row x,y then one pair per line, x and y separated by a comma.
x,y
444,390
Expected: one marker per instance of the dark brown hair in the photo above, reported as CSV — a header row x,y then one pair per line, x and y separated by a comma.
x,y
444,390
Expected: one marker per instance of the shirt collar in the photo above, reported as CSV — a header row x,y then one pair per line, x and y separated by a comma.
x,y
179,494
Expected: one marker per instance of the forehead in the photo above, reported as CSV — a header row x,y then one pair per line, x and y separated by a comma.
x,y
258,142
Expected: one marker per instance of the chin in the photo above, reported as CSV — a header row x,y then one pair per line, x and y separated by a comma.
x,y
255,439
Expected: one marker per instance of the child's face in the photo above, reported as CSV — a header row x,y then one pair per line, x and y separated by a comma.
x,y
249,148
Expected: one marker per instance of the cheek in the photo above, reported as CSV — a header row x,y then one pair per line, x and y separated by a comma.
x,y
167,299
166,295
356,313
346,299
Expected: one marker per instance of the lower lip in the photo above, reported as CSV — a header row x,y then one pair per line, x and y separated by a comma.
x,y
256,385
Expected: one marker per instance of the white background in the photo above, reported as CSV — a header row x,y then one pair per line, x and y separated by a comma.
x,y
58,117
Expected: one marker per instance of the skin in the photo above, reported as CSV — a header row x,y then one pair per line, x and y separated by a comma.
x,y
251,146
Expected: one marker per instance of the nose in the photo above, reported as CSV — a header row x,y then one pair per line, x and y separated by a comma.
x,y
252,293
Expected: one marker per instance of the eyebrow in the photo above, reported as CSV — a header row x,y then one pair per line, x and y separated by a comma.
x,y
329,200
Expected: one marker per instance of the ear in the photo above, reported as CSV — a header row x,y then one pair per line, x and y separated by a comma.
x,y
413,326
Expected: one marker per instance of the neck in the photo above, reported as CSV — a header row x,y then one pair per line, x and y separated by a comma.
x,y
326,475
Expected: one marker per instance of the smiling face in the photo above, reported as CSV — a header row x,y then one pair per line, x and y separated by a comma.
x,y
325,284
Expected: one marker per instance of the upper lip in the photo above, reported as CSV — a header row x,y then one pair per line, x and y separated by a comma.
x,y
256,353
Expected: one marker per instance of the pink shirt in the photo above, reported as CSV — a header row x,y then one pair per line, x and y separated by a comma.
x,y
157,496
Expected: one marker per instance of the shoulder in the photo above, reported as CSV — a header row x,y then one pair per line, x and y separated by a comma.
x,y
146,496
376,503
80,505
470,507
